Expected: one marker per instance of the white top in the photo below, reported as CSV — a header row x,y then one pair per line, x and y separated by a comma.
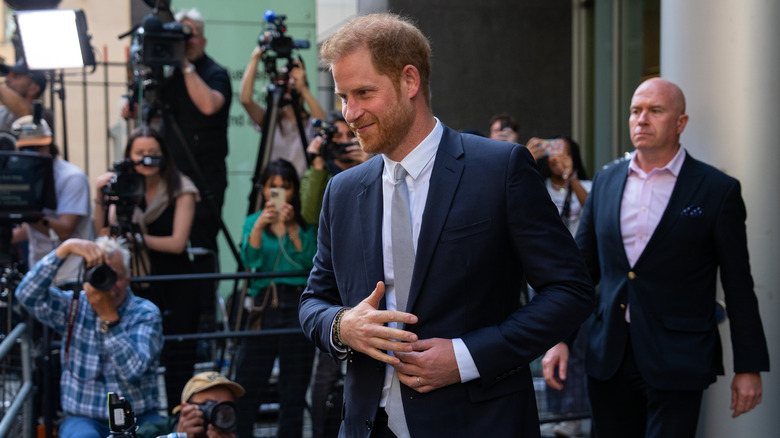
x,y
72,188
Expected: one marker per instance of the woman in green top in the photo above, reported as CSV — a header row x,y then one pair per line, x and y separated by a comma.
x,y
277,239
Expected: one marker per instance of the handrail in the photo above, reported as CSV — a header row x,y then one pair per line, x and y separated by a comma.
x,y
23,398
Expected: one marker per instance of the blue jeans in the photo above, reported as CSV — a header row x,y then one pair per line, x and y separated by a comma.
x,y
84,427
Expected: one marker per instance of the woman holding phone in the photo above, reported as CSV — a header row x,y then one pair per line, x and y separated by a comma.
x,y
277,239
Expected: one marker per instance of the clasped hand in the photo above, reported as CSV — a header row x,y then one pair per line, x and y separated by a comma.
x,y
423,365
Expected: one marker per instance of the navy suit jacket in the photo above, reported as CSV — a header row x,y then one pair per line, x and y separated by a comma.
x,y
487,222
671,287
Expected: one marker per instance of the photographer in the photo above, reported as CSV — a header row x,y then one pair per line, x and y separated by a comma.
x,y
287,139
197,98
111,338
72,216
160,226
207,399
334,150
17,93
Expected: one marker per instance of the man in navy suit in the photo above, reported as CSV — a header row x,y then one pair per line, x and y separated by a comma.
x,y
656,229
454,360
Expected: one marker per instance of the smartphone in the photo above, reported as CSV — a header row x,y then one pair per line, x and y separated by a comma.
x,y
553,146
278,198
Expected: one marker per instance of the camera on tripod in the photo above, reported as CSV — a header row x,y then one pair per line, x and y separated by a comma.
x,y
125,190
158,45
275,39
276,45
27,179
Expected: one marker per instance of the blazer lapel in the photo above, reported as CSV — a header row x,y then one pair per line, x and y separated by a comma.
x,y
445,177
685,187
370,223
614,209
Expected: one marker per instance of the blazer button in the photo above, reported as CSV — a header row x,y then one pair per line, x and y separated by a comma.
x,y
631,275
622,306
369,425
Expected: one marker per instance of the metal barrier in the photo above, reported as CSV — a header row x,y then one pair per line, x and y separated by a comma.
x,y
23,397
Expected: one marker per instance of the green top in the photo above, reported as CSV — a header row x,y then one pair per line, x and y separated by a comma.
x,y
155,429
277,255
313,186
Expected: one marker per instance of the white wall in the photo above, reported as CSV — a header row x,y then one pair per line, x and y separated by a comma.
x,y
723,53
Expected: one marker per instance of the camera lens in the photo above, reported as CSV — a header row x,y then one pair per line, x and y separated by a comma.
x,y
101,277
222,415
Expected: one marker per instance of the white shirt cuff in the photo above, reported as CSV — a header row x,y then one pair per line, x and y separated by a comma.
x,y
466,366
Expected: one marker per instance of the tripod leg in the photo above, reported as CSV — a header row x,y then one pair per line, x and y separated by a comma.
x,y
273,97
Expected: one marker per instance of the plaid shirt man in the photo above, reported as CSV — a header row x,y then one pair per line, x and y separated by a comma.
x,y
123,361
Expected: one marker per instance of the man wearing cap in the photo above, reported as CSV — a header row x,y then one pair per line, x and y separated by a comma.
x,y
72,218
17,93
189,419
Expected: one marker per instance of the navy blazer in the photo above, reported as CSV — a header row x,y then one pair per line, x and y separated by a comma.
x,y
671,288
488,221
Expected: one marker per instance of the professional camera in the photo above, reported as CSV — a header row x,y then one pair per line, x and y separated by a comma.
x,y
275,39
125,190
27,179
121,418
158,46
325,130
101,277
276,45
221,415
125,184
330,149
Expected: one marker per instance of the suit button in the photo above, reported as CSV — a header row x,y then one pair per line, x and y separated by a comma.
x,y
622,306
369,425
631,275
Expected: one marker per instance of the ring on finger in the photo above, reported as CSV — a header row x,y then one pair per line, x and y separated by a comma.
x,y
419,384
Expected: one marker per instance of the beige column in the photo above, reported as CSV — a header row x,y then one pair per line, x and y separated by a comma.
x,y
724,55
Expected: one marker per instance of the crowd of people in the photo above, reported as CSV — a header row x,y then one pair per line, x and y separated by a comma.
x,y
442,263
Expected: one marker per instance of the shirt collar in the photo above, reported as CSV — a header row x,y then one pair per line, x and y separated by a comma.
x,y
673,166
418,158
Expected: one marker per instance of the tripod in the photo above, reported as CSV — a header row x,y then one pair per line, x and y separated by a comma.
x,y
274,92
273,101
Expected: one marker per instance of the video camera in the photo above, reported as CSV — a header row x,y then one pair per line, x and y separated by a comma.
x,y
127,188
158,46
275,39
27,179
276,45
121,418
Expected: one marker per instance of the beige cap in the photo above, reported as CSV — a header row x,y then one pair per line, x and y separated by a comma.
x,y
203,381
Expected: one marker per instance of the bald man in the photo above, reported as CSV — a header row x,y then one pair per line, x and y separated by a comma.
x,y
655,231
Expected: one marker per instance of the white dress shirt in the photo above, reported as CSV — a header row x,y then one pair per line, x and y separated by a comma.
x,y
419,165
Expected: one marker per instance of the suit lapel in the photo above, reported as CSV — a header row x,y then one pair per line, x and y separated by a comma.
x,y
370,223
618,185
445,177
684,188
